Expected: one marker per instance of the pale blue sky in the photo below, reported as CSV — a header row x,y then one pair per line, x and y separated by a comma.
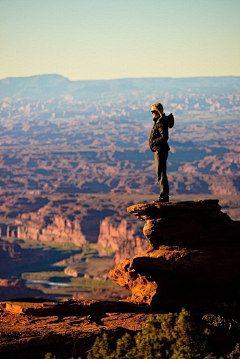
x,y
93,39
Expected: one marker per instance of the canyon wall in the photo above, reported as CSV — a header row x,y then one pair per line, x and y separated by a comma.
x,y
122,237
116,235
35,227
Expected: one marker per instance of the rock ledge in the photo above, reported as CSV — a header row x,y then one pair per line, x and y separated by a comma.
x,y
192,259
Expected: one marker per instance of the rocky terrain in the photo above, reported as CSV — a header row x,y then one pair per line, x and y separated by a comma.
x,y
67,329
74,155
123,237
192,261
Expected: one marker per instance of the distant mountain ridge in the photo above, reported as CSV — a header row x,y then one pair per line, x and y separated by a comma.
x,y
43,87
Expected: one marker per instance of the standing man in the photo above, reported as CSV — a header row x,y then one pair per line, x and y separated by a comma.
x,y
159,145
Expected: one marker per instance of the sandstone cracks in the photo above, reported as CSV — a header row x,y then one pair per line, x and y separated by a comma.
x,y
192,260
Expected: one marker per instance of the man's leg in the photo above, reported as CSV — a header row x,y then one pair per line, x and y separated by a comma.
x,y
160,158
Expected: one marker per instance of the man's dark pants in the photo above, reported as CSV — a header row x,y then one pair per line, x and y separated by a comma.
x,y
160,158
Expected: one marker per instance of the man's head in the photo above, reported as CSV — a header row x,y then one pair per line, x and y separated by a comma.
x,y
156,110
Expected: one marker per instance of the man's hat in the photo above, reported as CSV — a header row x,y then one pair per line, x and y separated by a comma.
x,y
157,107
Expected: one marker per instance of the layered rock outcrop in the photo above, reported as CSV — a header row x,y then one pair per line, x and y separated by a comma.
x,y
192,260
59,229
121,237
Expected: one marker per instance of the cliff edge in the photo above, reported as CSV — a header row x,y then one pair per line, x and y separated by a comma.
x,y
192,260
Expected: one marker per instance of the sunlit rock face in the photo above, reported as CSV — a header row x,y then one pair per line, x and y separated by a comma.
x,y
39,228
192,259
121,237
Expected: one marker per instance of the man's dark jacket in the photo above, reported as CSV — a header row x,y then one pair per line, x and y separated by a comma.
x,y
159,135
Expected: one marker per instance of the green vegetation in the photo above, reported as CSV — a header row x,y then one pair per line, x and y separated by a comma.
x,y
60,246
108,250
76,283
28,243
235,354
88,253
169,336
166,336
49,356
43,275
89,283
88,265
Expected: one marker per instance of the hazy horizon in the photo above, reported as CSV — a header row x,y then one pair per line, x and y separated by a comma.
x,y
120,78
92,40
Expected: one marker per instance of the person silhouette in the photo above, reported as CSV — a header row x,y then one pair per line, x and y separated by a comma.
x,y
158,143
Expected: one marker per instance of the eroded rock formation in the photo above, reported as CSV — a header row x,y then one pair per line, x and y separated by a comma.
x,y
121,237
192,260
59,229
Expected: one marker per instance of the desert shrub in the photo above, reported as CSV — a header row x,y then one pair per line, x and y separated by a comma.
x,y
168,336
104,347
124,346
49,356
235,354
